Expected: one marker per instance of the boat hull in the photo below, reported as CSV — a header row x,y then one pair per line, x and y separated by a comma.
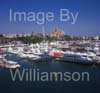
x,y
76,61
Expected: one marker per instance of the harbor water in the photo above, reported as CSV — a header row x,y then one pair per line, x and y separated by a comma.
x,y
71,86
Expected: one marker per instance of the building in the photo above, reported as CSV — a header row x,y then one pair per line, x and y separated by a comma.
x,y
15,35
96,38
57,33
9,35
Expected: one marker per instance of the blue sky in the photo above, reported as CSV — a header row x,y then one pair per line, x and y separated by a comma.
x,y
87,23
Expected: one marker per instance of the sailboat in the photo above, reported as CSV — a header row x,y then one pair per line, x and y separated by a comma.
x,y
41,50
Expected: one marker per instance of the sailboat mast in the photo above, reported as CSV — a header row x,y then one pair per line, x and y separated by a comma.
x,y
43,34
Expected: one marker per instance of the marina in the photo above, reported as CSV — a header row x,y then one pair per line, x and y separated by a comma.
x,y
61,51
49,46
50,65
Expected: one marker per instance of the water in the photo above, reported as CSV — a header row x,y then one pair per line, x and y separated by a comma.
x,y
7,85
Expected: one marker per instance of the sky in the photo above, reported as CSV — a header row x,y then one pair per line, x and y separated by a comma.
x,y
87,23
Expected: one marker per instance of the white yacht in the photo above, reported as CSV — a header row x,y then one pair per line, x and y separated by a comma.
x,y
39,49
96,47
27,54
14,50
10,64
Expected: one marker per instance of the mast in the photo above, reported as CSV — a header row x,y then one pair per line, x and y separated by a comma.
x,y
43,34
44,41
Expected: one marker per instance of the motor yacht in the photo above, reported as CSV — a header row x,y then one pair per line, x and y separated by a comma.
x,y
10,64
27,55
76,58
14,50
